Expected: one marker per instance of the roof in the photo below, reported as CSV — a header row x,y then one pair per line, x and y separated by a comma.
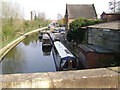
x,y
108,13
81,10
115,25
97,49
45,36
62,50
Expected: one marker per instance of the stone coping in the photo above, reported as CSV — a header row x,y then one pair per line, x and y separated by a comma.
x,y
8,47
88,78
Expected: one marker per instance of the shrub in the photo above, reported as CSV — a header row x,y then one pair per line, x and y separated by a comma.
x,y
61,22
81,22
76,33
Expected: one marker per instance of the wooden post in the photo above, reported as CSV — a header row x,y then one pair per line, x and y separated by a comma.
x,y
70,64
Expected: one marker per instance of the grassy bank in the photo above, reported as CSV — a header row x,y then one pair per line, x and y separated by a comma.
x,y
13,28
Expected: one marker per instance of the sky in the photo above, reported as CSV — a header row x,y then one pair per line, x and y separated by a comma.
x,y
54,7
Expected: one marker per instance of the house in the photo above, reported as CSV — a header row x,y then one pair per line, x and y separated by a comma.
x,y
108,17
74,11
106,35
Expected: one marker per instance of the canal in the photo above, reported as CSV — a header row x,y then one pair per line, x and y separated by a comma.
x,y
28,57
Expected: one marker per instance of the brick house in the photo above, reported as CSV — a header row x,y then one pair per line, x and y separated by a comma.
x,y
108,17
74,11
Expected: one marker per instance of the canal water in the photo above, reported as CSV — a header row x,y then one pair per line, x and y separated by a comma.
x,y
28,57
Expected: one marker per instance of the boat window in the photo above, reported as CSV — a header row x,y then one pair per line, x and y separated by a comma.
x,y
46,41
67,51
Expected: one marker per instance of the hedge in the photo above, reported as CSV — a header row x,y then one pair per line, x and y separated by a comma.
x,y
76,33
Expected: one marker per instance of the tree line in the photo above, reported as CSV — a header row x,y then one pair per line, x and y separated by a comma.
x,y
13,23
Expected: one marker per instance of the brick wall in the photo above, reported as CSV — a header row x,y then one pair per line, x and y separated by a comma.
x,y
113,17
110,17
105,37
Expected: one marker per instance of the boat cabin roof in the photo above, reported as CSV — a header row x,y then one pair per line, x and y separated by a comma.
x,y
52,36
45,36
62,50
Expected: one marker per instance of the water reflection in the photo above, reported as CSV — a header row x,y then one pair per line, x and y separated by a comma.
x,y
13,61
46,50
32,38
28,57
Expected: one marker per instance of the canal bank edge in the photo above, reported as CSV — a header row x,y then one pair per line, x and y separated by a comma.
x,y
89,78
8,47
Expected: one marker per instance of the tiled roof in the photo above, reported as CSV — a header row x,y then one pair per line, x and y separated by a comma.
x,y
81,10
115,25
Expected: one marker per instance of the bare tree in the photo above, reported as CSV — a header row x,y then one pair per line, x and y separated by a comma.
x,y
114,6
10,9
59,16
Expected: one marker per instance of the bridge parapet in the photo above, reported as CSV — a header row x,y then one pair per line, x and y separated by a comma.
x,y
90,78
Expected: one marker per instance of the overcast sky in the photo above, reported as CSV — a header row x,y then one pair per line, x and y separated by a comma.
x,y
53,7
